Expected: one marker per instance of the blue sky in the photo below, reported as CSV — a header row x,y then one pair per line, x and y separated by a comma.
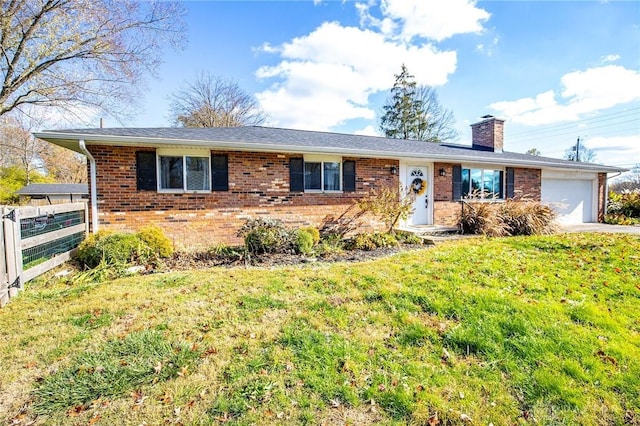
x,y
555,70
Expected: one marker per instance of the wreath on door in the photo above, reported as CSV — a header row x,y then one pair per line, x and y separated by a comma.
x,y
419,186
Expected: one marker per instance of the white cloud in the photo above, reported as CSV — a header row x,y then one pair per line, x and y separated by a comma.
x,y
583,92
435,19
326,77
367,131
610,58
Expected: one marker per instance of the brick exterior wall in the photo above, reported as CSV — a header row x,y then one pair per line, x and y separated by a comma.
x,y
527,183
258,186
602,196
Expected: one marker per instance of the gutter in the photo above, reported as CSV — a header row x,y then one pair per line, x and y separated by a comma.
x,y
473,158
92,185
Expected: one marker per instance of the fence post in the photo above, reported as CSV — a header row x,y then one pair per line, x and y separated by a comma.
x,y
13,250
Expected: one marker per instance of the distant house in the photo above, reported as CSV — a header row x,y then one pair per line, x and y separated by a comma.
x,y
54,193
200,185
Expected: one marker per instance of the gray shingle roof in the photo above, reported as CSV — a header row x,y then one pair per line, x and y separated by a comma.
x,y
54,189
258,138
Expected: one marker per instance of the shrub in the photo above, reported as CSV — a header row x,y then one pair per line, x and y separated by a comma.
x,y
508,218
304,241
526,218
315,233
408,238
157,241
388,204
266,236
480,218
113,249
372,241
626,203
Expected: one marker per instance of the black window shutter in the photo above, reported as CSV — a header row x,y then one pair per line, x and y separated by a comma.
x,y
219,172
146,176
457,182
510,182
296,174
349,176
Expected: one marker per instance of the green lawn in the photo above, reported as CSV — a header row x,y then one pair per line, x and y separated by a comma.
x,y
536,330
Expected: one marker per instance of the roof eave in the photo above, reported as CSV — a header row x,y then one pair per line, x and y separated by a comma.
x,y
71,141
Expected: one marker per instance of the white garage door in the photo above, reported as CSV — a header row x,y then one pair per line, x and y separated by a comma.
x,y
571,199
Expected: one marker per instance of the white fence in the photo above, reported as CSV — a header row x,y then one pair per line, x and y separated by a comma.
x,y
34,240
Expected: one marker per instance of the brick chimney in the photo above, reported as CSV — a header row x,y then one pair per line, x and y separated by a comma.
x,y
488,134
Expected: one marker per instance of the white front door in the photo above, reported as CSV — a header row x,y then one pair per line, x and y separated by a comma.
x,y
418,182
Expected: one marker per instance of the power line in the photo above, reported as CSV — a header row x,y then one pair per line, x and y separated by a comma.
x,y
571,132
604,117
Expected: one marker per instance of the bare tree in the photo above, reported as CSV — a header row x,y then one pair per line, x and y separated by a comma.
x,y
440,121
19,148
628,182
210,101
81,53
64,165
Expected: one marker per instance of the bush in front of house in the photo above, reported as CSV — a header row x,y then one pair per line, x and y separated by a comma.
x,y
304,241
623,208
264,235
480,219
371,241
314,232
120,249
526,218
113,249
157,241
509,218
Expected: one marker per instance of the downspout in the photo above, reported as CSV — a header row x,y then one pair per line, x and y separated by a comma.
x,y
92,185
606,191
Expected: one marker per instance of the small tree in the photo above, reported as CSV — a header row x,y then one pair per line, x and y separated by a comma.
x,y
414,112
389,204
534,151
210,101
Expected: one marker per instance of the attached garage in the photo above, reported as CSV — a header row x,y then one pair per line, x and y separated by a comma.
x,y
572,195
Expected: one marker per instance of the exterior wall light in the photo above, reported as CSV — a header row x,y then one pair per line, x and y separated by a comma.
x,y
442,172
394,170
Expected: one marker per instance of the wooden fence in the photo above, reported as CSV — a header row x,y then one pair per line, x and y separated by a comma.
x,y
34,240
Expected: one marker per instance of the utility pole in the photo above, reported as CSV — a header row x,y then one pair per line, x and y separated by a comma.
x,y
578,149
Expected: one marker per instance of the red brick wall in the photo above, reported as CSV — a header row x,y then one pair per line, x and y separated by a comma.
x,y
527,184
258,186
602,196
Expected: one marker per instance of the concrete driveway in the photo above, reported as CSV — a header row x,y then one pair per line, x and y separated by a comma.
x,y
600,227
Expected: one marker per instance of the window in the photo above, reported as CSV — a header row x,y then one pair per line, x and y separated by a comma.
x,y
184,173
322,176
482,183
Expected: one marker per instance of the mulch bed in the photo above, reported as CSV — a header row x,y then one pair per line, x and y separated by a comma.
x,y
185,261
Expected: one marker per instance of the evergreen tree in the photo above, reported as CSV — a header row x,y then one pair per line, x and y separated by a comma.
x,y
414,112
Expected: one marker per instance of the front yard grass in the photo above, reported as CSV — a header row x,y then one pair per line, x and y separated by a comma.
x,y
519,330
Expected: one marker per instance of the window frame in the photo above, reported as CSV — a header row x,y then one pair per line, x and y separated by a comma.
x,y
184,154
466,191
322,159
